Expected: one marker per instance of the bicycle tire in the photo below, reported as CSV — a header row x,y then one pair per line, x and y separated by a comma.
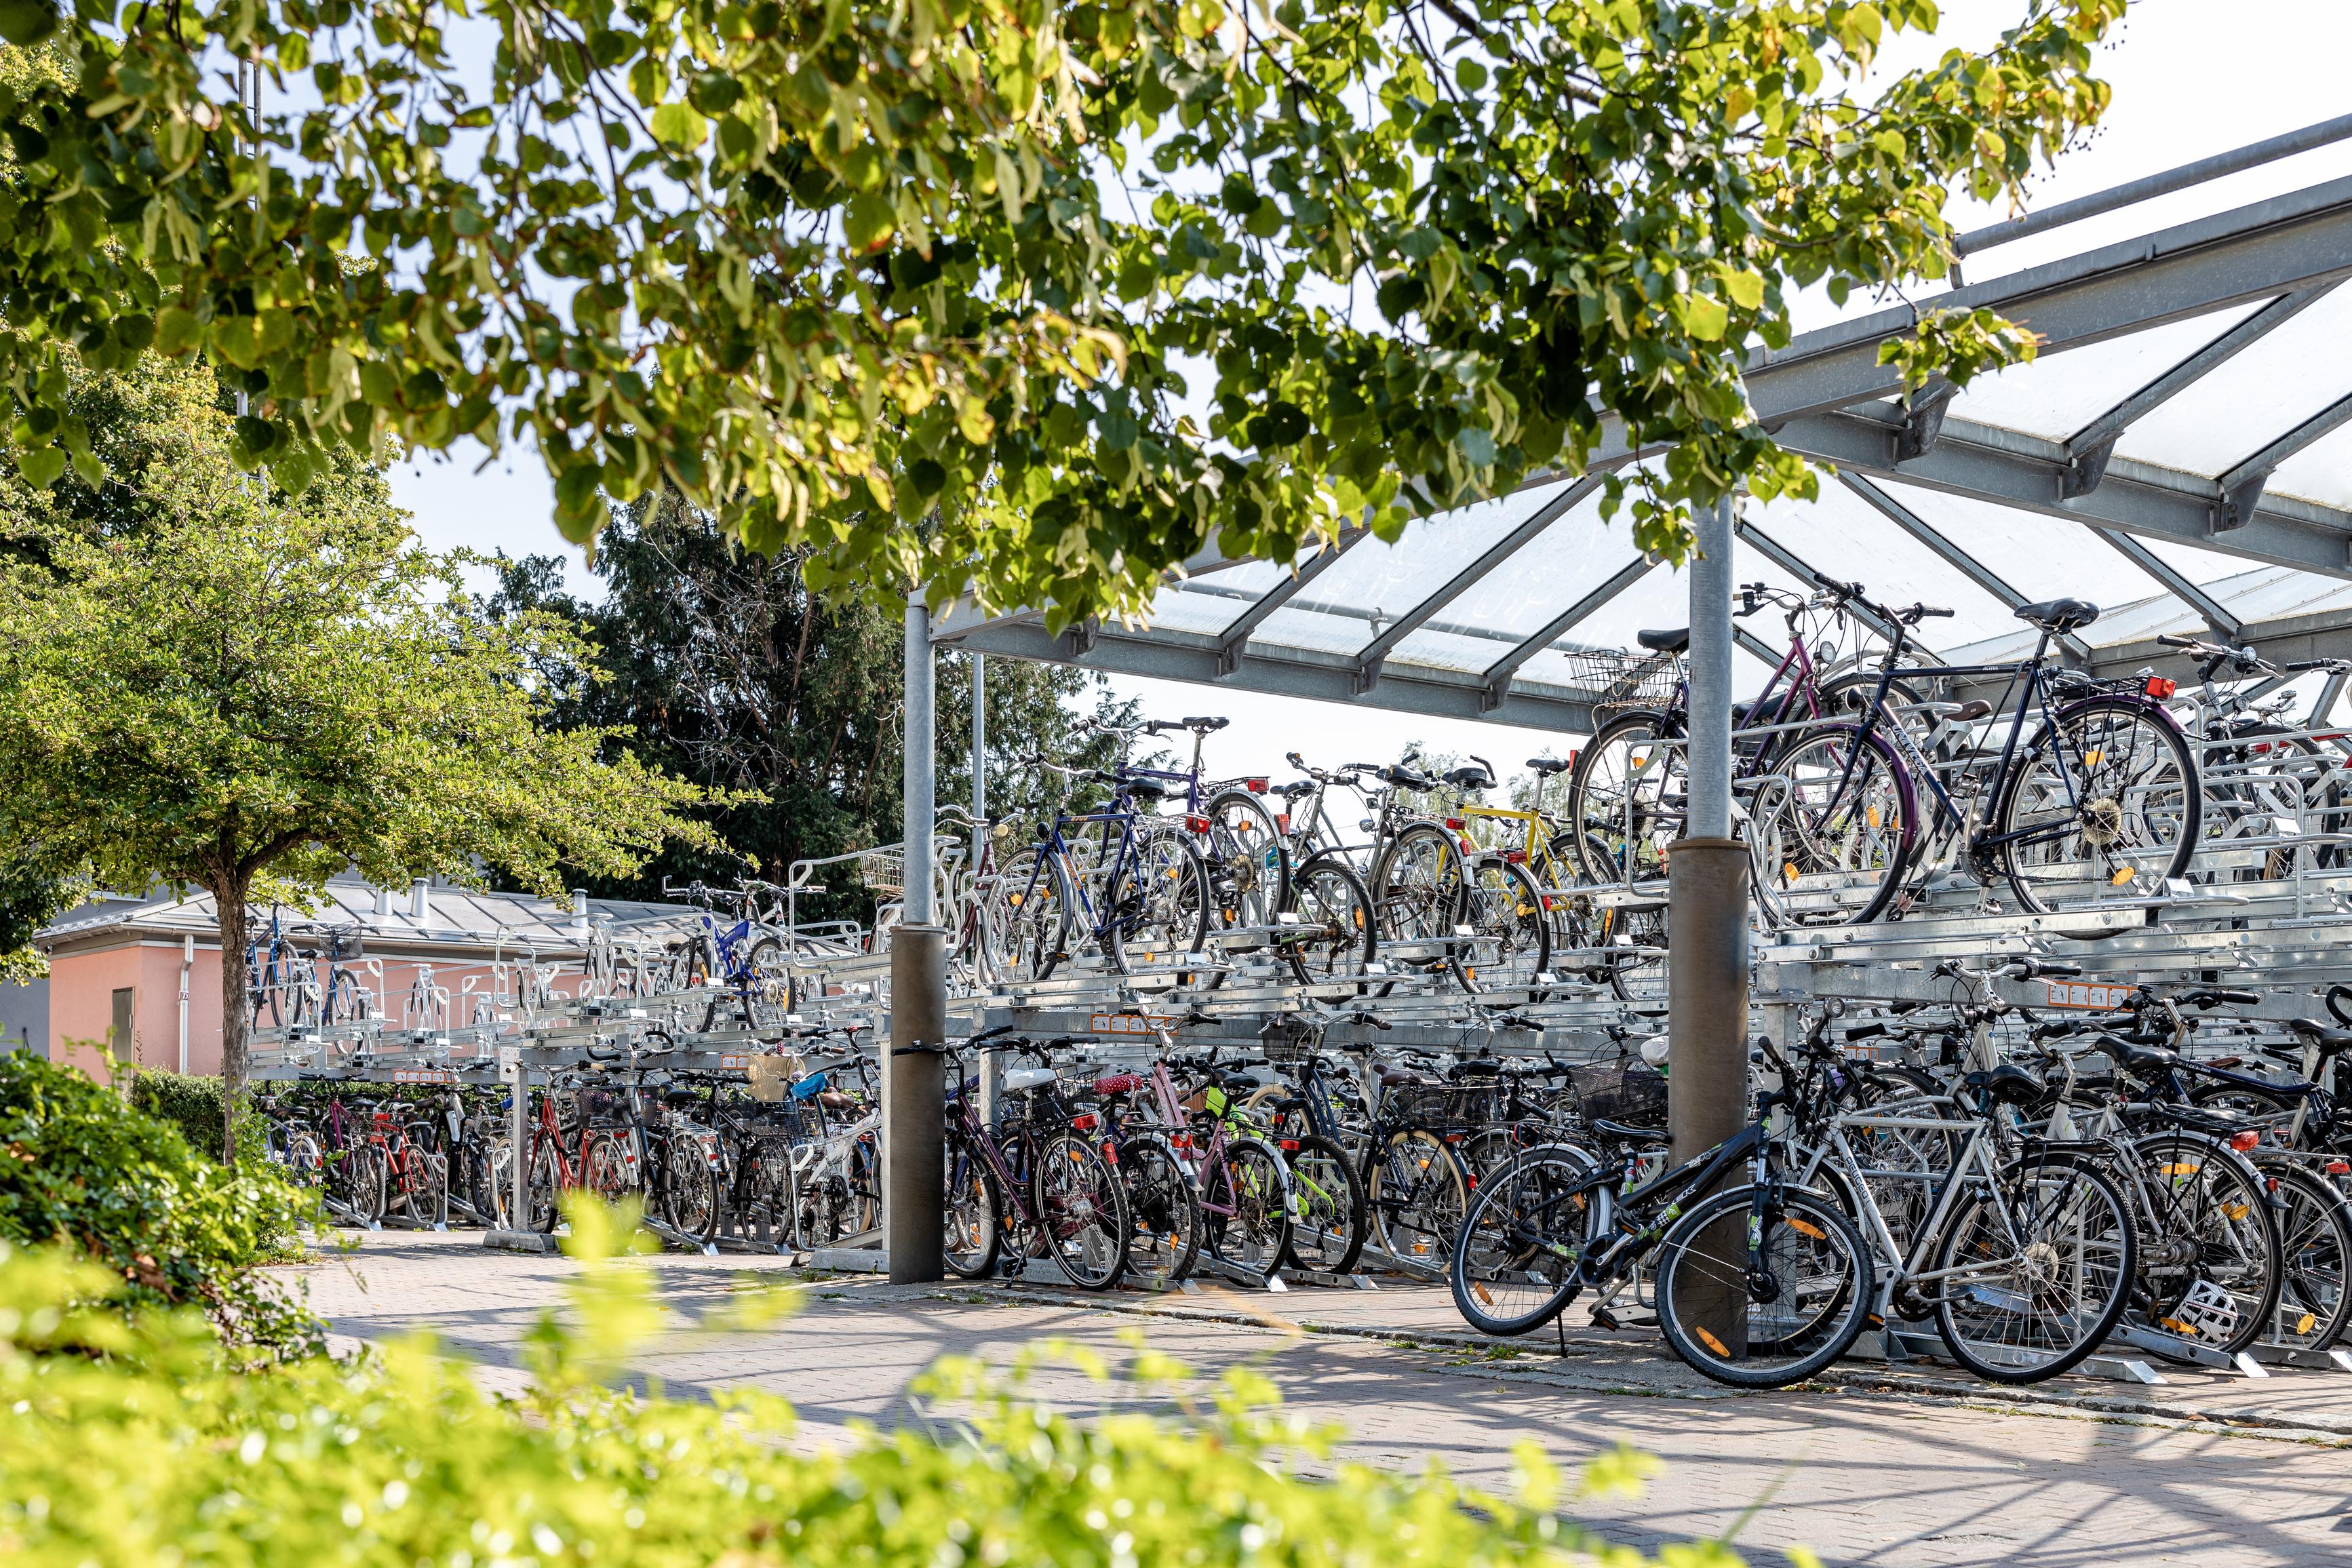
x,y
2215,1207
1641,818
1513,1267
1249,868
2314,1225
1806,1246
1418,887
973,1215
689,1189
1245,1206
1081,1209
2104,1229
1028,920
1326,1205
1326,893
1510,917
546,1189
1416,1193
2104,820
1163,1206
1833,821
1161,903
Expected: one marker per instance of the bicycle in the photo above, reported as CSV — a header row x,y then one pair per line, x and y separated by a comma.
x,y
1045,1181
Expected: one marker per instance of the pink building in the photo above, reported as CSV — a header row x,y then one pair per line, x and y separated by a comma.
x,y
146,973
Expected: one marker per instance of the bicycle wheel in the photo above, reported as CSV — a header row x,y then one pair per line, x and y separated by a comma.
x,y
1246,1207
1160,907
1326,1205
2105,797
1626,799
348,1001
1026,917
2314,1225
690,1188
2034,1277
1512,1269
305,1161
547,1184
975,1212
767,982
1332,902
1512,943
1249,870
1082,1210
604,1168
1418,888
1163,1210
1831,829
2209,1256
1763,1299
1416,1193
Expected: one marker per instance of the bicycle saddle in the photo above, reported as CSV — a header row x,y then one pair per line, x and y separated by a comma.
x,y
1971,710
1674,641
1144,789
1295,789
834,1100
2138,1059
1017,1080
1118,1083
2331,1042
1470,778
2059,615
2005,1085
679,1098
1546,766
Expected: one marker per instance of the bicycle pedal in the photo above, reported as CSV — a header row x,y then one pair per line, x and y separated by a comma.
x,y
1603,1318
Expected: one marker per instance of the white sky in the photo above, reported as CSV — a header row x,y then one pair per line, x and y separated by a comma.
x,y
2191,78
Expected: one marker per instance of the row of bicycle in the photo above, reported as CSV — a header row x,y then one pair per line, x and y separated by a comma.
x,y
2029,1186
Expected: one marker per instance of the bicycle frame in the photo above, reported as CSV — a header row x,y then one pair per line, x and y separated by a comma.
x,y
1097,923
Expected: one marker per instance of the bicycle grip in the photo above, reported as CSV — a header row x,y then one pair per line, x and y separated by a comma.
x,y
2305,664
1865,1031
1936,611
2171,639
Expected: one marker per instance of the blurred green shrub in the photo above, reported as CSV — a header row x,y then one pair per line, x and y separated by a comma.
x,y
143,1451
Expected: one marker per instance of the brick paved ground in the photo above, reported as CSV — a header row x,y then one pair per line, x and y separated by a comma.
x,y
1862,1476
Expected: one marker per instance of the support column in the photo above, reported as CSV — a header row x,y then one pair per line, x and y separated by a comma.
x,y
914,1111
1707,893
979,743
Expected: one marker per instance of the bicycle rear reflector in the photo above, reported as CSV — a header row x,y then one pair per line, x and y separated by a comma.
x,y
2157,685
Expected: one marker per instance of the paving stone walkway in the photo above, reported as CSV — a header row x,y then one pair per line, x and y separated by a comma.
x,y
1885,1468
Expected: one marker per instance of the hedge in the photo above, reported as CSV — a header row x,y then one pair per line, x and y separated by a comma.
x,y
81,1168
189,1101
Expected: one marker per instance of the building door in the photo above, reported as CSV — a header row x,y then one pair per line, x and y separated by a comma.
x,y
118,1034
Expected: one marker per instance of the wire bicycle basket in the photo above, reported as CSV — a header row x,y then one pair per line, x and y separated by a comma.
x,y
1626,1089
884,869
1618,679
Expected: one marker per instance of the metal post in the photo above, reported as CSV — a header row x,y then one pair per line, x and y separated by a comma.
x,y
979,743
519,1138
914,1108
188,967
1706,996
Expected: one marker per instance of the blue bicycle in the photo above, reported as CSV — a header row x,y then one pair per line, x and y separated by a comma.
x,y
1121,881
748,959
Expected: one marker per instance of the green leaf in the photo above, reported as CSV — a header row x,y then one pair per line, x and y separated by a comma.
x,y
679,125
177,331
238,339
1705,317
1477,446
868,222
41,466
1746,289
27,22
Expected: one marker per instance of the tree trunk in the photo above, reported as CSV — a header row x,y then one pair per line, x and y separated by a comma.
x,y
236,1011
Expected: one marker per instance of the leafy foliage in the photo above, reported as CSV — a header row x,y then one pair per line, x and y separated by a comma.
x,y
164,1226
189,1101
253,688
726,670
1047,295
151,1455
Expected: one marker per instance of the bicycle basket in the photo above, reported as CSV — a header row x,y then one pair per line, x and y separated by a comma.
x,y
1447,1106
884,870
1618,679
1626,1089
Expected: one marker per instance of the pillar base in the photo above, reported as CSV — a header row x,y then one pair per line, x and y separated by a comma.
x,y
914,1108
1706,1017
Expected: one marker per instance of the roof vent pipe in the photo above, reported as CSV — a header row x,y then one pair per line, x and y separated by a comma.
x,y
418,908
382,902
580,912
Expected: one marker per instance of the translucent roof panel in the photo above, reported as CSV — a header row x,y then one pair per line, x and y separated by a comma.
x,y
1391,580
1552,571
2058,394
2259,395
2039,557
1205,607
2321,471
1845,537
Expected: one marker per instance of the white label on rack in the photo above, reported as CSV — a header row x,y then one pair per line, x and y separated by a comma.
x,y
2081,993
423,1074
734,1061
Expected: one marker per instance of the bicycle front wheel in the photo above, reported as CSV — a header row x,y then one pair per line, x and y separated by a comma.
x,y
1246,1207
689,1189
1249,870
1418,889
1514,1267
1512,941
1025,917
1768,1306
2106,798
975,1212
1326,1205
1417,1192
2033,1278
1081,1212
1332,902
1163,1212
1161,909
1833,827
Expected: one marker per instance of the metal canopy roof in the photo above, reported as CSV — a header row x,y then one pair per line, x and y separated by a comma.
x,y
2180,453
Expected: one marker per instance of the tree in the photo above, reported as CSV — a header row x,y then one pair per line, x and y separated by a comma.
x,y
938,290
251,692
728,671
